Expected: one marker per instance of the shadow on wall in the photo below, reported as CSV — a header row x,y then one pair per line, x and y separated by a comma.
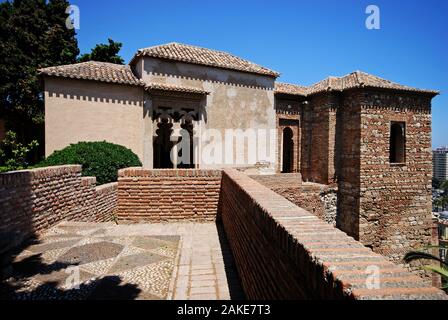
x,y
233,278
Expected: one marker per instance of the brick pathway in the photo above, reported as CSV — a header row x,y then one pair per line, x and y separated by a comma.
x,y
143,261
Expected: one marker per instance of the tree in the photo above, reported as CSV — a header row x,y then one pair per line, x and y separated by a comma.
x,y
436,183
13,155
104,53
33,35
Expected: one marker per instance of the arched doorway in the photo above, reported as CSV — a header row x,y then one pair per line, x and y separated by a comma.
x,y
163,145
288,150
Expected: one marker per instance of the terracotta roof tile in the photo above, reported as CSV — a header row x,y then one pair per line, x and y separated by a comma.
x,y
93,70
357,79
202,56
293,89
174,88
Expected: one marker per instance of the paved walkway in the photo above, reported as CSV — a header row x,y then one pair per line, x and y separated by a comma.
x,y
143,261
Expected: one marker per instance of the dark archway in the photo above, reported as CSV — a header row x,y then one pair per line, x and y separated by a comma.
x,y
288,150
163,145
189,127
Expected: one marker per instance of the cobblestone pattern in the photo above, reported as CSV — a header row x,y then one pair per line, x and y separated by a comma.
x,y
181,261
99,261
32,201
284,252
168,195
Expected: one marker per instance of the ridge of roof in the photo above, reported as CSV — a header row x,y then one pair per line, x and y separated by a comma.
x,y
203,56
356,79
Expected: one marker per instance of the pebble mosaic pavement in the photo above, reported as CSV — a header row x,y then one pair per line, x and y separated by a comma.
x,y
78,261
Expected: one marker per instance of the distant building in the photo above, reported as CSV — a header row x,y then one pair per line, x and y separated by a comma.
x,y
443,233
440,163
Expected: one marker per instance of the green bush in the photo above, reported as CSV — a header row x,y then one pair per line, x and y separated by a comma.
x,y
98,159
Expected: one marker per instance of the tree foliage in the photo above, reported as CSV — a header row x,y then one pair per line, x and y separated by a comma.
x,y
13,154
104,53
33,35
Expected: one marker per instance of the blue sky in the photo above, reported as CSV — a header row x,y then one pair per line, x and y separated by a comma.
x,y
304,40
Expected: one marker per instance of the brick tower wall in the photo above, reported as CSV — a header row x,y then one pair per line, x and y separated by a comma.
x,y
385,206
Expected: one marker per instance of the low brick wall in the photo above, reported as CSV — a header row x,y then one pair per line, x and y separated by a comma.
x,y
284,252
31,201
318,199
106,205
168,195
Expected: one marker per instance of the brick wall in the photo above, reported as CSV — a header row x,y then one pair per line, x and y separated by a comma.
x,y
318,139
31,201
396,200
106,201
318,199
386,206
168,195
284,252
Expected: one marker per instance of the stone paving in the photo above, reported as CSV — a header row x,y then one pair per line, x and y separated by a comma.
x,y
144,261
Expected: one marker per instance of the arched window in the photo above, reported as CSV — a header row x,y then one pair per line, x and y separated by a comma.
x,y
398,142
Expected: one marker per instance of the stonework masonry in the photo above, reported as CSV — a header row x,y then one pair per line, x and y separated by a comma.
x,y
284,252
168,195
318,199
32,201
346,141
395,199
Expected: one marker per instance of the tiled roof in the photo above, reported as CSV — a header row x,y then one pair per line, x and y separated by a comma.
x,y
174,88
203,56
357,79
93,70
293,89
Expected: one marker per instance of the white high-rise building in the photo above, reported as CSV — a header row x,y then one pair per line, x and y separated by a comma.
x,y
440,163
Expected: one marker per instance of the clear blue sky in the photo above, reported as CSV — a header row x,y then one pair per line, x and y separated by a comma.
x,y
304,40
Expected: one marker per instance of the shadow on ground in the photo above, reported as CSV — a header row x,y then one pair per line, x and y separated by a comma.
x,y
233,279
19,276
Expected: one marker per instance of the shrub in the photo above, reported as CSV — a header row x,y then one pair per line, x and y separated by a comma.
x,y
98,159
13,154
